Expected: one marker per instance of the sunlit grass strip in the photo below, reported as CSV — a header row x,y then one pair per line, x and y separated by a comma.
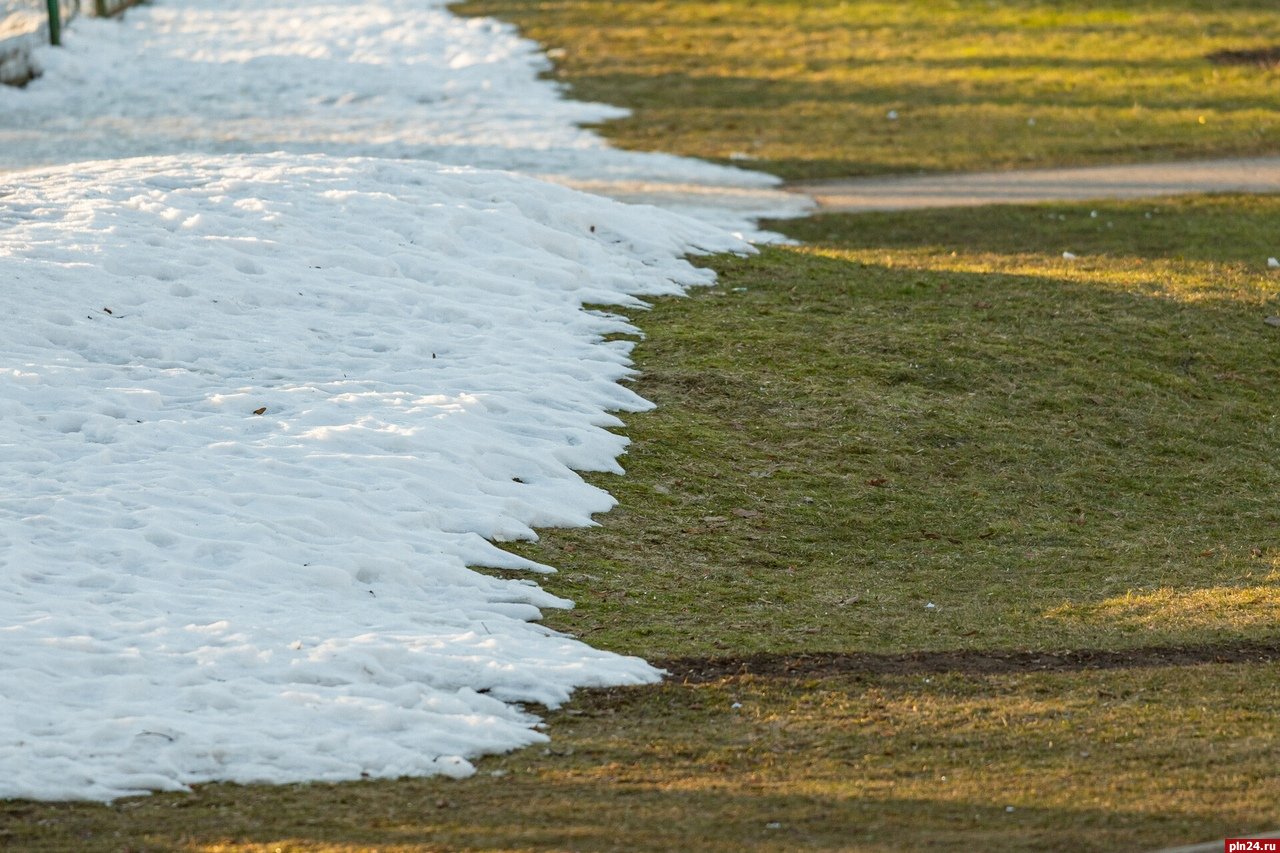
x,y
1213,608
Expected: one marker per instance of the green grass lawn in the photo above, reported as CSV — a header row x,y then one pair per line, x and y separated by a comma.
x,y
939,409
805,88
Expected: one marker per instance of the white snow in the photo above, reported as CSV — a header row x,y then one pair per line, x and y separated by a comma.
x,y
379,78
193,591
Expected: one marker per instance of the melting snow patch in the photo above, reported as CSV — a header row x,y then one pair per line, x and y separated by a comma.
x,y
258,415
369,78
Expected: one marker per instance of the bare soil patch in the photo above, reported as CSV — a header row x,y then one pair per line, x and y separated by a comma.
x,y
696,670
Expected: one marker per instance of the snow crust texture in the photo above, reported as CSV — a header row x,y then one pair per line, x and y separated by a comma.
x,y
258,414
379,78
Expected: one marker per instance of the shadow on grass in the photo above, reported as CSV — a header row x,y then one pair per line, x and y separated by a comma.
x,y
691,92
968,661
1176,227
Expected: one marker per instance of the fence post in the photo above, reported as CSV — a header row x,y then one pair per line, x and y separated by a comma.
x,y
55,23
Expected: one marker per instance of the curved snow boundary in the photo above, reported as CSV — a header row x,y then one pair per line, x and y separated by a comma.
x,y
193,591
369,78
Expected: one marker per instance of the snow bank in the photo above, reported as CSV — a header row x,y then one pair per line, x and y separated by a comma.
x,y
257,416
378,78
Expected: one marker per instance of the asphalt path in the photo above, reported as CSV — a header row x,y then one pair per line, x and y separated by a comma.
x,y
1023,186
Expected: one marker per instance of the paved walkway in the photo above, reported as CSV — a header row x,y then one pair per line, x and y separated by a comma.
x,y
856,195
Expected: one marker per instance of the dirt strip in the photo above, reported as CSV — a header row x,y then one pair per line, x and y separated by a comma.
x,y
972,662
1024,186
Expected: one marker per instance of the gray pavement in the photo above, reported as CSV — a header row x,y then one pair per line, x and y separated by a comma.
x,y
857,195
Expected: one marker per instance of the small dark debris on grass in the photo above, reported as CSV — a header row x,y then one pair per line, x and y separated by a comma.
x,y
1264,57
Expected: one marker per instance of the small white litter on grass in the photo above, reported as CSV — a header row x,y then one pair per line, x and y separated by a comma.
x,y
258,415
1273,263
1068,256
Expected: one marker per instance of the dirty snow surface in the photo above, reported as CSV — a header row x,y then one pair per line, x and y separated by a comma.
x,y
258,415
380,78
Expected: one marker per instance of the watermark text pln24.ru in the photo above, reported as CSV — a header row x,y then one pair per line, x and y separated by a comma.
x,y
1251,845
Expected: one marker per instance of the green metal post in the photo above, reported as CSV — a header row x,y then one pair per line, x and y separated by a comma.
x,y
55,23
